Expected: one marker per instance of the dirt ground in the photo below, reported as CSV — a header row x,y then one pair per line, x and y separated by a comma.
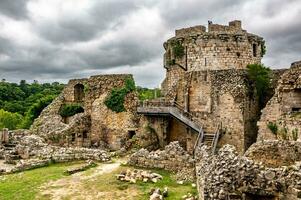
x,y
80,186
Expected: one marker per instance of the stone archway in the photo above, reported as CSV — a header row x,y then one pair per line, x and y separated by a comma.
x,y
79,92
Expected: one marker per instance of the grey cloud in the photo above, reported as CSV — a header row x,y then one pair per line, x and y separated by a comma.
x,y
14,8
103,16
136,51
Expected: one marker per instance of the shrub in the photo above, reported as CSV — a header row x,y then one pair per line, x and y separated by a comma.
x,y
68,110
260,81
273,127
295,134
178,49
115,100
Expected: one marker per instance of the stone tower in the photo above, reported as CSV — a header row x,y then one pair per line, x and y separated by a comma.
x,y
221,47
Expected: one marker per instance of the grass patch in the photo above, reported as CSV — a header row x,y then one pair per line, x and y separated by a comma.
x,y
24,185
139,190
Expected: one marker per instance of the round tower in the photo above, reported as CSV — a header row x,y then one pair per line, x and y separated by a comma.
x,y
221,47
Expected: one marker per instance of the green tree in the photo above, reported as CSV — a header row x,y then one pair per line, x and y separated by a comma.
x,y
35,110
9,120
259,77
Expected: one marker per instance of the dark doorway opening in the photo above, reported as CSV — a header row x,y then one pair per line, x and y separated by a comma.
x,y
131,134
255,50
73,137
85,135
296,109
79,92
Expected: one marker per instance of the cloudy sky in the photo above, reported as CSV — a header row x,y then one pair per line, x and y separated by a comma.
x,y
55,40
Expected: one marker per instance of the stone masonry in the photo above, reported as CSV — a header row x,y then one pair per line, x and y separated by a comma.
x,y
230,176
283,111
173,158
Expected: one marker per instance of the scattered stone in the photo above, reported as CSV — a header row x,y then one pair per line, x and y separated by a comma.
x,y
180,182
189,196
165,192
135,175
156,194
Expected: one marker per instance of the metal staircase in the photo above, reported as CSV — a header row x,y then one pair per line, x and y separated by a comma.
x,y
162,108
208,139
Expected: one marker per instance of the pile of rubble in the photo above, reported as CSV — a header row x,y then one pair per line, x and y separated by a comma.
x,y
135,175
173,158
227,175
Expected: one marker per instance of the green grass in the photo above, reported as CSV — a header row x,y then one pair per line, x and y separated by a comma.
x,y
140,190
24,185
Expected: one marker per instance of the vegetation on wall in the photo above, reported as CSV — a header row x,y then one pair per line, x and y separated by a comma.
x,y
259,78
68,110
283,133
263,49
273,127
178,49
295,134
115,100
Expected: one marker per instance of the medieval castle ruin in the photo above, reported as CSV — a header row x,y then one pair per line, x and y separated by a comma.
x,y
208,123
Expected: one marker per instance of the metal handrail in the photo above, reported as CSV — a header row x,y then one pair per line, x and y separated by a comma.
x,y
200,135
216,138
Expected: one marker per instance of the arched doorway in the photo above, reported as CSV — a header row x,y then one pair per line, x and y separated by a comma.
x,y
79,92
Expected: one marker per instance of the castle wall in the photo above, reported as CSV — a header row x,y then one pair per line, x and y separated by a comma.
x,y
284,108
221,96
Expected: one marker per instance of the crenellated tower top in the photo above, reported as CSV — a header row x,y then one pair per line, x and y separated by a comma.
x,y
219,47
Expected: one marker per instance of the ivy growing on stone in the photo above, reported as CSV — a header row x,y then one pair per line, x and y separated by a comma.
x,y
115,100
178,49
68,110
263,49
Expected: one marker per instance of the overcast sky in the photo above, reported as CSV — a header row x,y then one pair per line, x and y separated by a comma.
x,y
55,40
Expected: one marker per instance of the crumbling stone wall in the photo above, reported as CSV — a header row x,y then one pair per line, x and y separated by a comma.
x,y
227,175
173,158
274,153
34,151
98,125
284,108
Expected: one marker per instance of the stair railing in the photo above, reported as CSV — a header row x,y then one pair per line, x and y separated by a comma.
x,y
199,138
216,138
